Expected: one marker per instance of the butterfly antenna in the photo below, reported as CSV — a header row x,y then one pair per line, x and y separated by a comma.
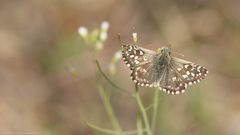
x,y
170,47
180,54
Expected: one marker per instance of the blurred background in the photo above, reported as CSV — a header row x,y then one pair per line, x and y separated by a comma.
x,y
41,49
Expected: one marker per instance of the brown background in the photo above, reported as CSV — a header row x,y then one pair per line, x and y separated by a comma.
x,y
39,39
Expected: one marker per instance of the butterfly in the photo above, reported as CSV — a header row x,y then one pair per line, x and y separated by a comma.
x,y
159,69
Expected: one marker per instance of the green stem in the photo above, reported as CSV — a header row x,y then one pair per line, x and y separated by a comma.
x,y
155,110
143,111
110,82
108,131
139,126
149,107
110,112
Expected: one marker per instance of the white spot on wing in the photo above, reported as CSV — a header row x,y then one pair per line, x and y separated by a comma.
x,y
184,76
136,61
193,74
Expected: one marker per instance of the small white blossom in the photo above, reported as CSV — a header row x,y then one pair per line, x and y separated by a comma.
x,y
104,25
83,31
134,35
103,36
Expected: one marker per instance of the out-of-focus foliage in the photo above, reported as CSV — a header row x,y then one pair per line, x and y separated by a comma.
x,y
40,44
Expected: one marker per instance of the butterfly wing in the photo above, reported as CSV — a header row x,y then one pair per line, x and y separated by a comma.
x,y
140,61
180,74
135,56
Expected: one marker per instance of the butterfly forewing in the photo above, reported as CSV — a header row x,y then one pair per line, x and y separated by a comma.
x,y
139,60
134,56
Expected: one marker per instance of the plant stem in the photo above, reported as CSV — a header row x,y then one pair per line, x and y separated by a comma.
x,y
139,126
108,131
110,112
149,107
143,111
155,110
110,82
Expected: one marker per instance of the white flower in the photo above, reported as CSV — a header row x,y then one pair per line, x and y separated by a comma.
x,y
112,66
103,36
104,25
83,31
134,35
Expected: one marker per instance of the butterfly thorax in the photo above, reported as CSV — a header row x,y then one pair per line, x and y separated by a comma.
x,y
163,57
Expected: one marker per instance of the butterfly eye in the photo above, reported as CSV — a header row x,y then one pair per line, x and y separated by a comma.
x,y
162,50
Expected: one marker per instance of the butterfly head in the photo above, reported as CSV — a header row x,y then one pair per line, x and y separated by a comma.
x,y
163,50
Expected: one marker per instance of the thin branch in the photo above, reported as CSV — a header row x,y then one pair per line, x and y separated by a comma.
x,y
149,107
155,110
108,131
143,111
111,82
110,111
139,126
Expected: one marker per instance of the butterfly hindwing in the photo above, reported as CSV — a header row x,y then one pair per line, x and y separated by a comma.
x,y
172,82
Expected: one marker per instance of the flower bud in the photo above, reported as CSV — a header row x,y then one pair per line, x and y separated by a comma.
x,y
83,31
134,35
104,26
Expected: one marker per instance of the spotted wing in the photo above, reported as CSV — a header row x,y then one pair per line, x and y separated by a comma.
x,y
135,56
140,61
180,74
